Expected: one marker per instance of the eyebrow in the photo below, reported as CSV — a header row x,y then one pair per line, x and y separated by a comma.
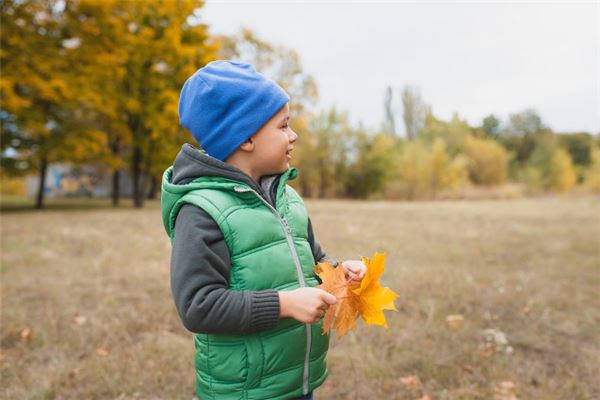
x,y
285,118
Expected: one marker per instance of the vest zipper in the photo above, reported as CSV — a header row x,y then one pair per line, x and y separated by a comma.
x,y
288,235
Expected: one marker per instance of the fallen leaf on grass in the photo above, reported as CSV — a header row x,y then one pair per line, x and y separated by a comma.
x,y
25,335
455,321
486,351
79,319
505,390
467,368
411,381
102,351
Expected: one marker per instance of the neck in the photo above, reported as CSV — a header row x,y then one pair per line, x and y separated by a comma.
x,y
239,164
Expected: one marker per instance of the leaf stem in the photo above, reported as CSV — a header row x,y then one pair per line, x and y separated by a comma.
x,y
346,297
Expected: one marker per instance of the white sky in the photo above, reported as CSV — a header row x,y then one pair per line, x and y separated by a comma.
x,y
472,58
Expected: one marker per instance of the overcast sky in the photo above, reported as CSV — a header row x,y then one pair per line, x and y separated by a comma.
x,y
472,58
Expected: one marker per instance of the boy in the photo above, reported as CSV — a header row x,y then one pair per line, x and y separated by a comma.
x,y
243,246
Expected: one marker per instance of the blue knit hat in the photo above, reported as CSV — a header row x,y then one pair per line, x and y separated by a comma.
x,y
226,102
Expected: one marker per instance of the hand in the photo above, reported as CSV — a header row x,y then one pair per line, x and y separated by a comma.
x,y
354,269
306,304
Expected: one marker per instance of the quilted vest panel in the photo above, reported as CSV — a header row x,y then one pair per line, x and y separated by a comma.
x,y
269,250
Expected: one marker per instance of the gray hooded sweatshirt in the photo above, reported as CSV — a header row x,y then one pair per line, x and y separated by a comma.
x,y
201,263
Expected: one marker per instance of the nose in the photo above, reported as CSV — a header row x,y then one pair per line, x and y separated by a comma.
x,y
293,136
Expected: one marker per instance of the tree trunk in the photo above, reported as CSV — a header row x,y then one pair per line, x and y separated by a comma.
x,y
115,187
116,175
148,178
153,187
39,204
138,194
305,189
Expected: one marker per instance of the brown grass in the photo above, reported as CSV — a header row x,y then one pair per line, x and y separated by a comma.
x,y
93,287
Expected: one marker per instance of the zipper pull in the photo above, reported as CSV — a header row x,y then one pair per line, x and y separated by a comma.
x,y
287,226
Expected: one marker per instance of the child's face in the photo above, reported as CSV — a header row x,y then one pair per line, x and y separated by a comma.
x,y
272,144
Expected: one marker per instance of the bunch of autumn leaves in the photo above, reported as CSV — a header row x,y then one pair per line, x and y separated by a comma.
x,y
365,298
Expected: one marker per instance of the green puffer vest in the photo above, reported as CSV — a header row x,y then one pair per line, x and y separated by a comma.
x,y
269,250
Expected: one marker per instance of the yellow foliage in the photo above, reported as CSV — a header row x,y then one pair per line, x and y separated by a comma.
x,y
550,168
487,161
424,171
13,186
562,174
592,175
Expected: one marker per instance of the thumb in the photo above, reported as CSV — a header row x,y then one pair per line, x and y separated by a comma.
x,y
329,298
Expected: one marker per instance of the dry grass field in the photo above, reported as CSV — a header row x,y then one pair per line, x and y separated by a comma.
x,y
87,311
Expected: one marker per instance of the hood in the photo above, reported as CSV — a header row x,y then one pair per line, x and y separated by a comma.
x,y
195,169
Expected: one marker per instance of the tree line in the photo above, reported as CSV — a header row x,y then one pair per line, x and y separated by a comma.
x,y
87,81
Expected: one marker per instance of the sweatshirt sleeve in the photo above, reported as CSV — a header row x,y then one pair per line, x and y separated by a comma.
x,y
200,268
317,250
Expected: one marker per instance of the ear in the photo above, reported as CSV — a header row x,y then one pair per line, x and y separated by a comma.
x,y
248,145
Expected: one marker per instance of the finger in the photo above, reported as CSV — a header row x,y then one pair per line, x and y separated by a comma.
x,y
349,268
329,298
350,274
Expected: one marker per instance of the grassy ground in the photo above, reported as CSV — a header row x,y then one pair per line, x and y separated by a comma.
x,y
92,287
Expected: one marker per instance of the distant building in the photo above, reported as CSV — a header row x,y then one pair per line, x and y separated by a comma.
x,y
66,180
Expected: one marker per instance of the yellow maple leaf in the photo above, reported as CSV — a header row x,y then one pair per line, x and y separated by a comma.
x,y
367,298
373,298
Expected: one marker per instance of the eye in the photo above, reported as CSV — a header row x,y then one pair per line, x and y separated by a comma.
x,y
285,126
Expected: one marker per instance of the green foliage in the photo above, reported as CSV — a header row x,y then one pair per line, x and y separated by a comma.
x,y
491,126
524,123
426,169
98,81
579,145
592,175
550,167
323,152
375,164
453,132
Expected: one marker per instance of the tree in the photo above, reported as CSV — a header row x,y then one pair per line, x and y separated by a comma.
x,y
491,126
550,166
374,166
487,161
38,101
453,132
414,111
149,48
592,175
521,133
332,137
390,117
579,145
524,123
425,169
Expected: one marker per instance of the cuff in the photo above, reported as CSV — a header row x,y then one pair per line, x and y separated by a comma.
x,y
331,261
264,310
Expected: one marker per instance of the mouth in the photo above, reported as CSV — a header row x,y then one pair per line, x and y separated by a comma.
x,y
289,154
